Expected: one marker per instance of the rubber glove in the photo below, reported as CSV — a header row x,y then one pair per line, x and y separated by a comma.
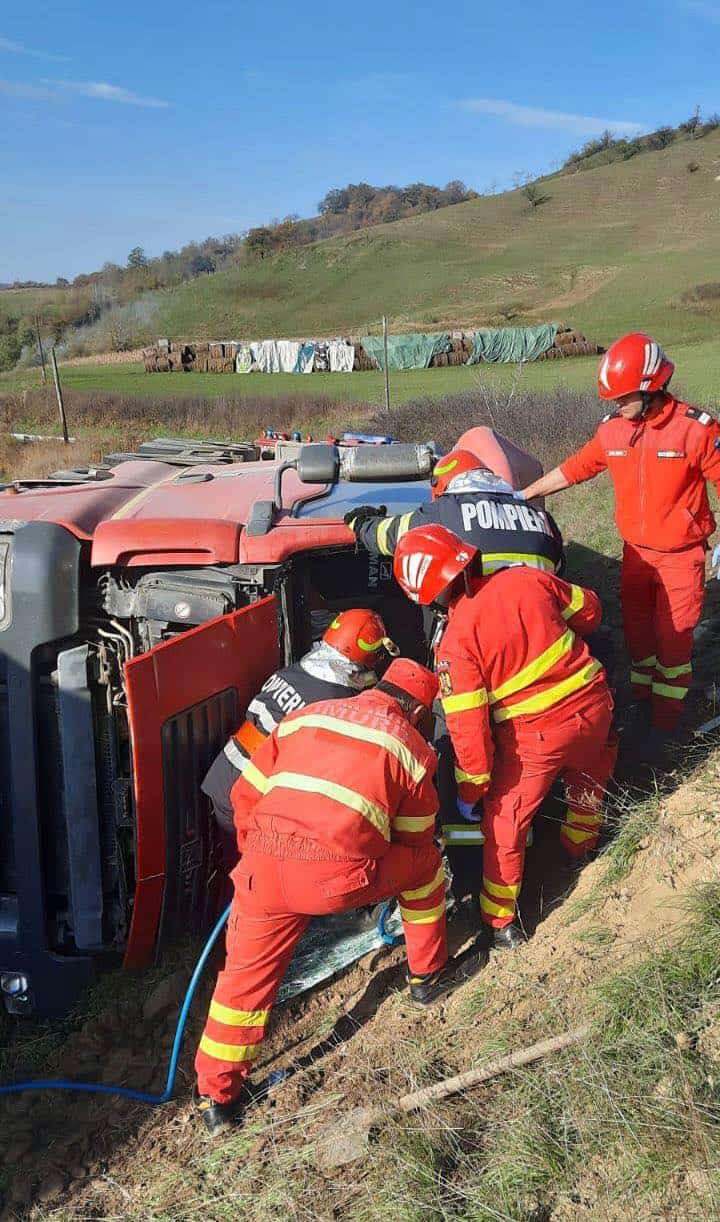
x,y
355,517
519,495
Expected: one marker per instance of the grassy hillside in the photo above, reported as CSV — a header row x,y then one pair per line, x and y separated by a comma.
x,y
612,249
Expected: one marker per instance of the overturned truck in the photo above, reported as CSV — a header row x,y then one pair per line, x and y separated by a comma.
x,y
142,604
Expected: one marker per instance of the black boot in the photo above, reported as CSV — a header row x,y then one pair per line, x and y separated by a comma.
x,y
424,990
220,1117
508,938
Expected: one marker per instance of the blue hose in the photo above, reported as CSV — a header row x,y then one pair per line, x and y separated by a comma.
x,y
388,938
100,1088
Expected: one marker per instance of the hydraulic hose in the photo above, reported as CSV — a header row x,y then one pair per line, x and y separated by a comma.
x,y
102,1088
388,938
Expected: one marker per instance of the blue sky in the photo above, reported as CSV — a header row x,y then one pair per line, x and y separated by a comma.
x,y
153,124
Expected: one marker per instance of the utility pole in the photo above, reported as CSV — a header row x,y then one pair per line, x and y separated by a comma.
x,y
58,392
40,347
387,371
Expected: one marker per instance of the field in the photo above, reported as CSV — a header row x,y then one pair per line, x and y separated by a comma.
x,y
627,1124
698,378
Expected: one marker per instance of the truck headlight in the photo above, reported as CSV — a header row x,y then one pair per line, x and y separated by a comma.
x,y
13,984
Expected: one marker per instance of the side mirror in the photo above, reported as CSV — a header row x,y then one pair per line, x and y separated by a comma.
x,y
318,464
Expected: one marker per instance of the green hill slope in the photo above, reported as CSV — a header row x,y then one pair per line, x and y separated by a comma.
x,y
611,249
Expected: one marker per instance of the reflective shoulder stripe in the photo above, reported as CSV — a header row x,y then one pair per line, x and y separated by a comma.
x,y
423,918
238,1018
229,1052
256,778
338,793
382,534
465,700
235,755
467,778
404,524
256,708
421,893
412,823
553,695
639,679
577,602
535,670
349,729
462,833
492,561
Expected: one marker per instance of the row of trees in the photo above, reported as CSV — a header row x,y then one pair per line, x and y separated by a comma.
x,y
609,147
356,206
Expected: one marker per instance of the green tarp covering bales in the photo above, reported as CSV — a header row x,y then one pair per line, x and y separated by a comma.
x,y
512,343
406,351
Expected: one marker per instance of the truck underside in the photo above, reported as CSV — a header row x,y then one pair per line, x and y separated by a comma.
x,y
118,687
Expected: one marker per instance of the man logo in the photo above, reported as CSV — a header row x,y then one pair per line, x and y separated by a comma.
x,y
414,568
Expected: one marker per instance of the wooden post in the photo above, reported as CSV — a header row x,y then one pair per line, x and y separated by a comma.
x,y
42,353
387,371
58,392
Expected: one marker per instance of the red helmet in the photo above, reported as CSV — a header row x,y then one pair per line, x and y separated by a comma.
x,y
416,680
635,363
427,560
448,467
360,636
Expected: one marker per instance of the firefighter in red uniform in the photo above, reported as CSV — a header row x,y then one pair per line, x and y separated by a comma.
x,y
524,699
660,452
335,811
341,664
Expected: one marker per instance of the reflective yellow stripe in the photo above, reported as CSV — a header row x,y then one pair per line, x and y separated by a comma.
x,y
256,778
575,818
423,918
672,672
382,532
465,700
674,693
339,793
553,695
347,729
462,833
639,679
421,893
443,468
480,778
238,1018
229,1052
577,602
413,823
493,909
576,835
501,891
535,670
651,661
492,561
404,526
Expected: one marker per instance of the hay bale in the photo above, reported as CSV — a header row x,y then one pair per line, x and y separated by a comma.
x,y
228,364
564,337
231,350
202,349
150,365
217,351
456,344
456,358
201,364
163,365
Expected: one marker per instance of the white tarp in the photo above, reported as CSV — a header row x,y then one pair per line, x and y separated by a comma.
x,y
288,353
266,356
341,356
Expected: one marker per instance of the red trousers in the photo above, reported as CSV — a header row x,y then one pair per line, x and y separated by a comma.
x,y
662,598
280,883
574,743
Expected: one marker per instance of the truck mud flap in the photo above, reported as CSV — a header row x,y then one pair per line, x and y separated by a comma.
x,y
185,697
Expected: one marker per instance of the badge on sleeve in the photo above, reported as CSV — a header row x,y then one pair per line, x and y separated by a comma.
x,y
444,679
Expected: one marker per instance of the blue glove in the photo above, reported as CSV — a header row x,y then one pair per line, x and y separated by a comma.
x,y
519,495
466,811
716,560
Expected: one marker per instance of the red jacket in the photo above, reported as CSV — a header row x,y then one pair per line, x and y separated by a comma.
x,y
658,467
509,651
350,774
